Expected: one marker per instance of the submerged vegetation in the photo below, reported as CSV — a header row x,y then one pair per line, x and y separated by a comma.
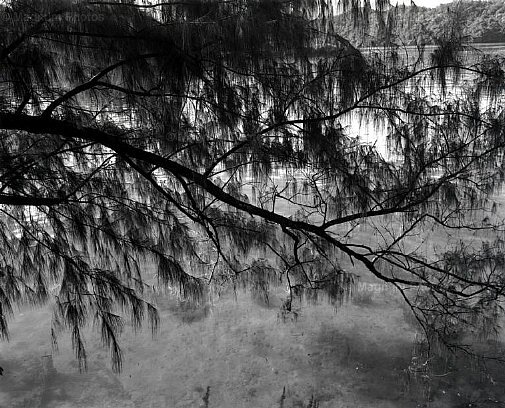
x,y
203,145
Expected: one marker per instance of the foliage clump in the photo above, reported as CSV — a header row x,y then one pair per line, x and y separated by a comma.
x,y
188,145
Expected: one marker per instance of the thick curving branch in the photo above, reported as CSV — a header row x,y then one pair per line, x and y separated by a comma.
x,y
43,125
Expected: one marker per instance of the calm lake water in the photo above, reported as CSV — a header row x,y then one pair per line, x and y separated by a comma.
x,y
372,132
235,352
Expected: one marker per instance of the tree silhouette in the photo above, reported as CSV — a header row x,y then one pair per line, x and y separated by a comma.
x,y
189,144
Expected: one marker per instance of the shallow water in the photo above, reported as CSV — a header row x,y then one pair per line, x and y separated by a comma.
x,y
238,353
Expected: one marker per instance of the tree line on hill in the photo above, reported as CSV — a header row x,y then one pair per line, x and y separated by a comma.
x,y
481,21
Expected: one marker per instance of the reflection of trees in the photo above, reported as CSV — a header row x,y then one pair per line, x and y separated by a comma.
x,y
129,142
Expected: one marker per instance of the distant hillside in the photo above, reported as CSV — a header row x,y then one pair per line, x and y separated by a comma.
x,y
481,21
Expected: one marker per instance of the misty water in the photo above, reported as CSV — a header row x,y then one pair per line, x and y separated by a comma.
x,y
235,350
